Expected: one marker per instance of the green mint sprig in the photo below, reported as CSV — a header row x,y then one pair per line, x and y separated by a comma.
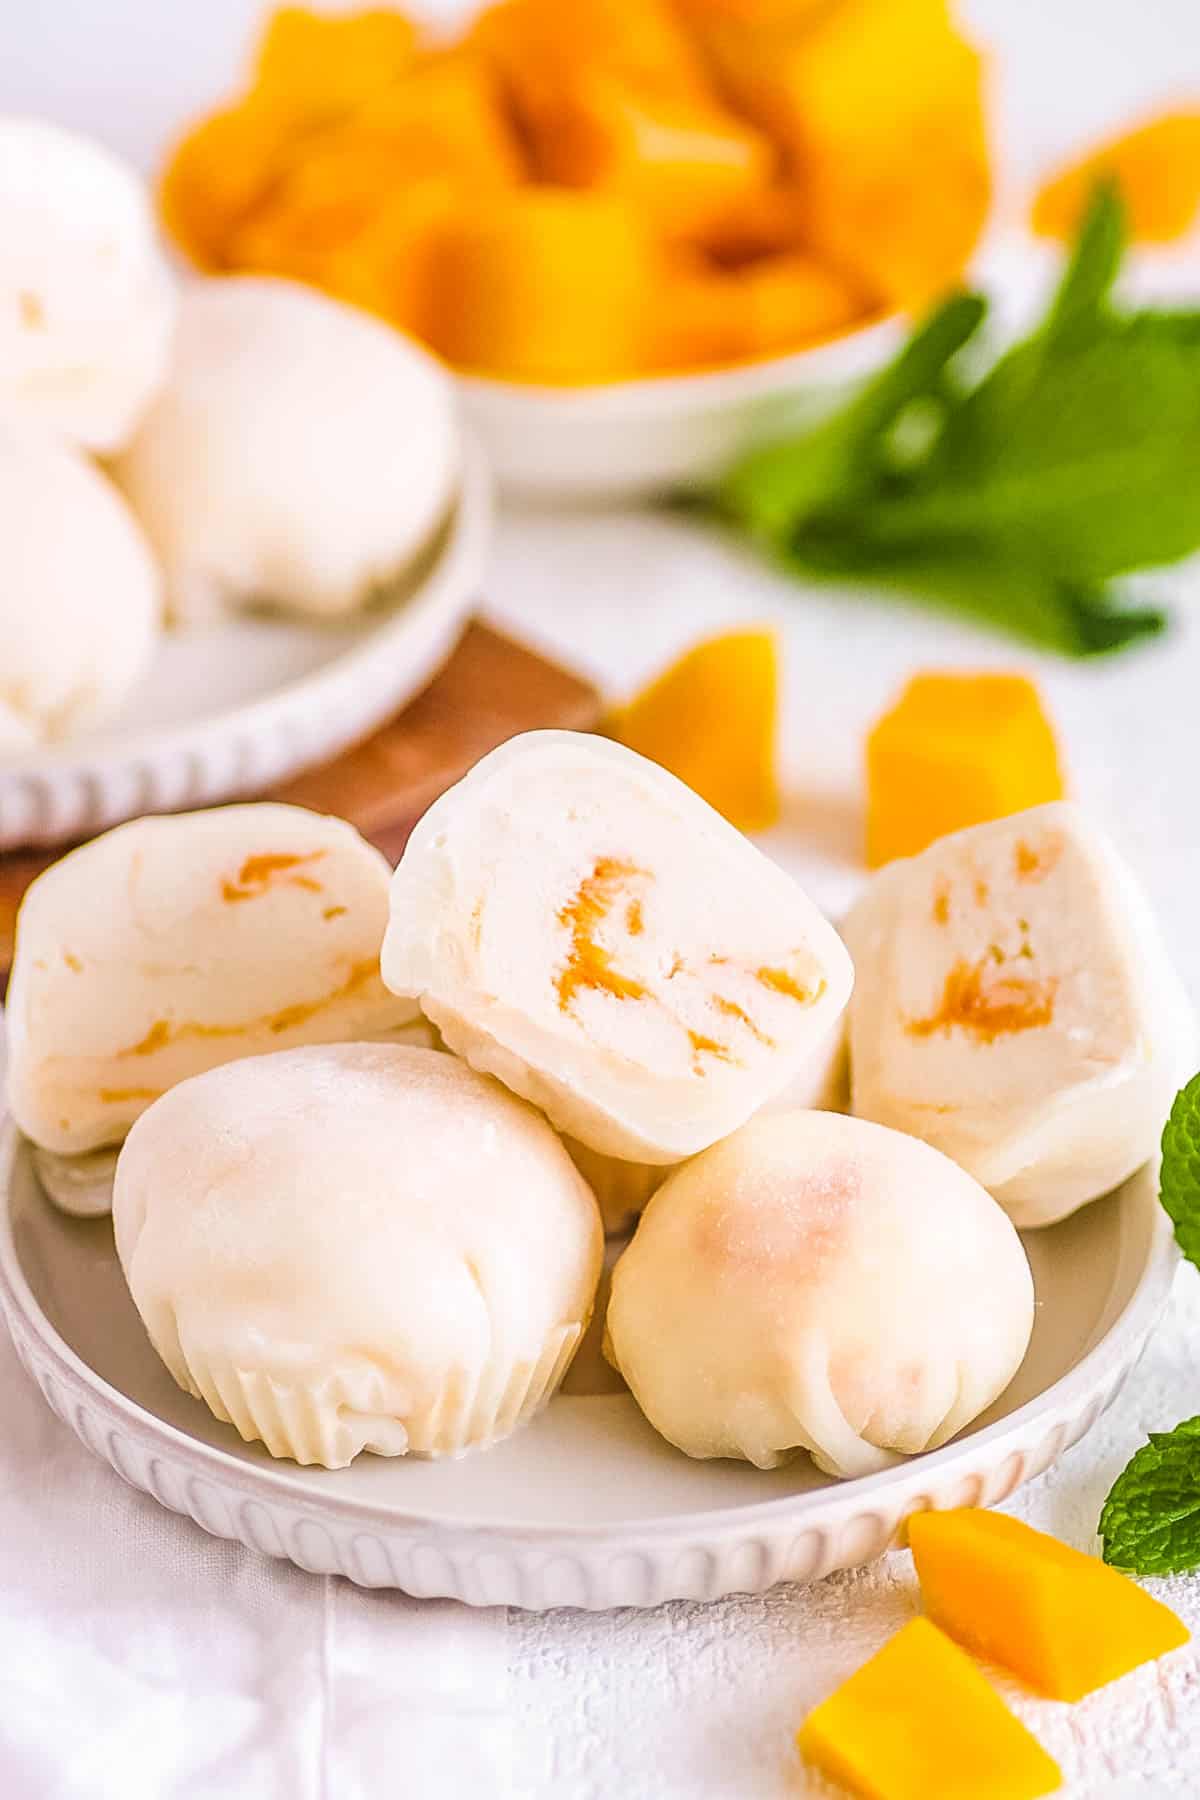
x,y
1021,497
1150,1524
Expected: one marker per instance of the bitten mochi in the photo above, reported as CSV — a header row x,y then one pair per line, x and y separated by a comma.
x,y
579,923
170,945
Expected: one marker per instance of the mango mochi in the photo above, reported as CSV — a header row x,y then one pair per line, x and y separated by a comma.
x,y
357,1246
872,1299
578,922
173,944
1017,1009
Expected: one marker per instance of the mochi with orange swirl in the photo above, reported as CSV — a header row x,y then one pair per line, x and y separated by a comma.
x,y
580,924
1017,1008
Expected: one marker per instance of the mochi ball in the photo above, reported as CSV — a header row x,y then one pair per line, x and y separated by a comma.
x,y
169,945
87,302
357,1247
820,1283
79,600
301,456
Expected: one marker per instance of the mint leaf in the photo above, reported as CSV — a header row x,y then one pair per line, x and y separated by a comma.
x,y
1019,497
1017,597
1150,1524
1086,287
778,485
1086,459
1179,1181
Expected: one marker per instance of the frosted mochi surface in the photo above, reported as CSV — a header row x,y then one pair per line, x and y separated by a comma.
x,y
174,944
579,923
819,1283
300,454
357,1246
1016,1008
80,599
87,301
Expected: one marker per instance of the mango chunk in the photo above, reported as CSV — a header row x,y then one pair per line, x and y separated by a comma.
x,y
918,1721
878,107
686,159
321,65
1157,168
613,96
538,45
702,315
711,719
388,266
546,285
1064,1622
336,210
956,750
217,174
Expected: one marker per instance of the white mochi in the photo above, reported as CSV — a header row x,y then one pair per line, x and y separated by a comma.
x,y
170,945
1016,1008
80,598
87,302
357,1246
579,923
819,1283
302,454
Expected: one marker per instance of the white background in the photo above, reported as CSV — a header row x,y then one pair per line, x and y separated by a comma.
x,y
157,1665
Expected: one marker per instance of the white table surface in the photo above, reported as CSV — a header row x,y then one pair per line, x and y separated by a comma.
x,y
688,1702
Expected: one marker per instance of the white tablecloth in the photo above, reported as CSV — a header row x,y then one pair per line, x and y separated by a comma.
x,y
142,1660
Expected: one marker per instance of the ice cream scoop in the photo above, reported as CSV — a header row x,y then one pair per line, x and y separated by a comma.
x,y
80,595
87,302
819,1283
1016,1007
170,945
301,455
578,922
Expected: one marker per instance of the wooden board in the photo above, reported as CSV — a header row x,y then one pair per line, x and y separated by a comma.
x,y
491,689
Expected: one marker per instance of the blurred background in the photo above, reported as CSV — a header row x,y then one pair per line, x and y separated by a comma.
x,y
579,565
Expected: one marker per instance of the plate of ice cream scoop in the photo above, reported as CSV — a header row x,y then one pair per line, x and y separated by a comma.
x,y
241,522
361,1134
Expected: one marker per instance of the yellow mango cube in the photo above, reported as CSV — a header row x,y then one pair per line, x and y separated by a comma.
x,y
1157,168
217,174
919,1722
878,106
684,158
538,45
321,65
956,750
388,266
711,719
335,212
1064,1622
545,285
793,300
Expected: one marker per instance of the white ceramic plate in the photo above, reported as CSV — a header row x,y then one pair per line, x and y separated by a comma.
x,y
239,707
587,1506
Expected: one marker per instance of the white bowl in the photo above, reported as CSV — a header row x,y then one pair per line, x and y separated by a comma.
x,y
586,1506
628,440
249,702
